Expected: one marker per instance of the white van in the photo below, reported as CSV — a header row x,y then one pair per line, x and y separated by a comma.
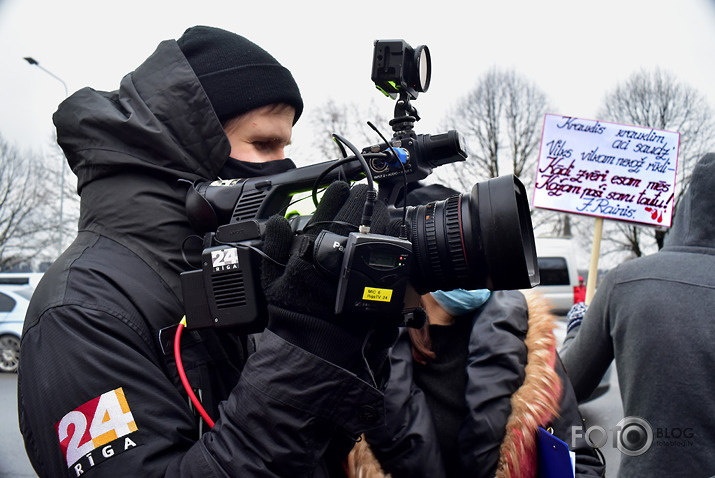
x,y
558,272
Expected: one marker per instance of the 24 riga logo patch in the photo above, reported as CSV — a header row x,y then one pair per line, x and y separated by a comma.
x,y
96,424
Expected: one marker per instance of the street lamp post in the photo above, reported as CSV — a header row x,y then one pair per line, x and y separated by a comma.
x,y
34,62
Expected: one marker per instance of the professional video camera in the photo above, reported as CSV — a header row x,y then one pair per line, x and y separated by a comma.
x,y
479,240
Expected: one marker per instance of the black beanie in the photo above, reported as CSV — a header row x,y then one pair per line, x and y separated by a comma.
x,y
236,74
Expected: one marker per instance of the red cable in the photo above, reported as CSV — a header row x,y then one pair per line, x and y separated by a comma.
x,y
182,375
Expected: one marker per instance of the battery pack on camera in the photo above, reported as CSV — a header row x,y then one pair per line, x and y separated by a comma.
x,y
374,275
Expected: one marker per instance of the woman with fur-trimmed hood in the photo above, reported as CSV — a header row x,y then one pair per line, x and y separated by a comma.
x,y
468,391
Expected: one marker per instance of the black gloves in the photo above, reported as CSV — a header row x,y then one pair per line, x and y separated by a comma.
x,y
299,286
301,298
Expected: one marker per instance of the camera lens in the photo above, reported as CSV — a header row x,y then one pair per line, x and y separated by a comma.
x,y
481,240
423,67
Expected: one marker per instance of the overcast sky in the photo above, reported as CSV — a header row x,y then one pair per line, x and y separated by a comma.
x,y
576,51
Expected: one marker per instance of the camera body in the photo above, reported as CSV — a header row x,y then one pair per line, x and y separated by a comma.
x,y
479,240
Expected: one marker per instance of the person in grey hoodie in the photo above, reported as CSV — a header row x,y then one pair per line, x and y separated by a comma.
x,y
654,316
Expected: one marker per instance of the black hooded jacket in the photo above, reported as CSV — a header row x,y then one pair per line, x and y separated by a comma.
x,y
98,390
499,367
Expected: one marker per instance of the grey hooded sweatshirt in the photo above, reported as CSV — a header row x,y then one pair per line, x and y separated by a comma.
x,y
656,317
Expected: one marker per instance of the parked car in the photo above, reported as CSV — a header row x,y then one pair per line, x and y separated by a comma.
x,y
20,278
558,272
560,286
14,300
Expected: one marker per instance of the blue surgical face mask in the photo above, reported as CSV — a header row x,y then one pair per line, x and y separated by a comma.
x,y
459,301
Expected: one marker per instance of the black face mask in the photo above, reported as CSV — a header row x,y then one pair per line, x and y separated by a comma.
x,y
237,169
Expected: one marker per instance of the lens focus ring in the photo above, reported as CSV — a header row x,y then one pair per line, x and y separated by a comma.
x,y
430,236
453,233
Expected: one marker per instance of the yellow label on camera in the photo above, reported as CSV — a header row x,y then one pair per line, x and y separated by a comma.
x,y
373,293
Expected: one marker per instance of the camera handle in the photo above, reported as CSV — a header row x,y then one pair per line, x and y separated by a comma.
x,y
406,116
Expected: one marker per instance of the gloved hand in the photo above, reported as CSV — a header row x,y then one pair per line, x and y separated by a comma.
x,y
301,298
575,316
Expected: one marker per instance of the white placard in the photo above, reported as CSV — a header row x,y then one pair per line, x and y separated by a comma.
x,y
607,170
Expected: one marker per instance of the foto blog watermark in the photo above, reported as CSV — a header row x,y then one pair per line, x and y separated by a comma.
x,y
633,436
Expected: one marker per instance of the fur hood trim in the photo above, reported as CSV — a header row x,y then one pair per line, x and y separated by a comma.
x,y
536,402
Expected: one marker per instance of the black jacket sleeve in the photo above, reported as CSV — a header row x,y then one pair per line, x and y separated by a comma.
x,y
588,351
496,369
588,461
96,401
406,445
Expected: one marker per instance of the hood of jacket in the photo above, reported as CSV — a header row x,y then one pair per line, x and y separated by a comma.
x,y
694,223
130,150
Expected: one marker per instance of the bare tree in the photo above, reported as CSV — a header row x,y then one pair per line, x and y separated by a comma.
x,y
501,120
656,99
66,200
348,120
28,225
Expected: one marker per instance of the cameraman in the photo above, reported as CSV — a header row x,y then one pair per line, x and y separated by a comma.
x,y
99,393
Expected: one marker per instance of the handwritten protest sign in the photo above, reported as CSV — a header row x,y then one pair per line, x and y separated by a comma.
x,y
607,170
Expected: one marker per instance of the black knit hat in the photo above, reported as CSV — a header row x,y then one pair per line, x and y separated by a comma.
x,y
236,74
